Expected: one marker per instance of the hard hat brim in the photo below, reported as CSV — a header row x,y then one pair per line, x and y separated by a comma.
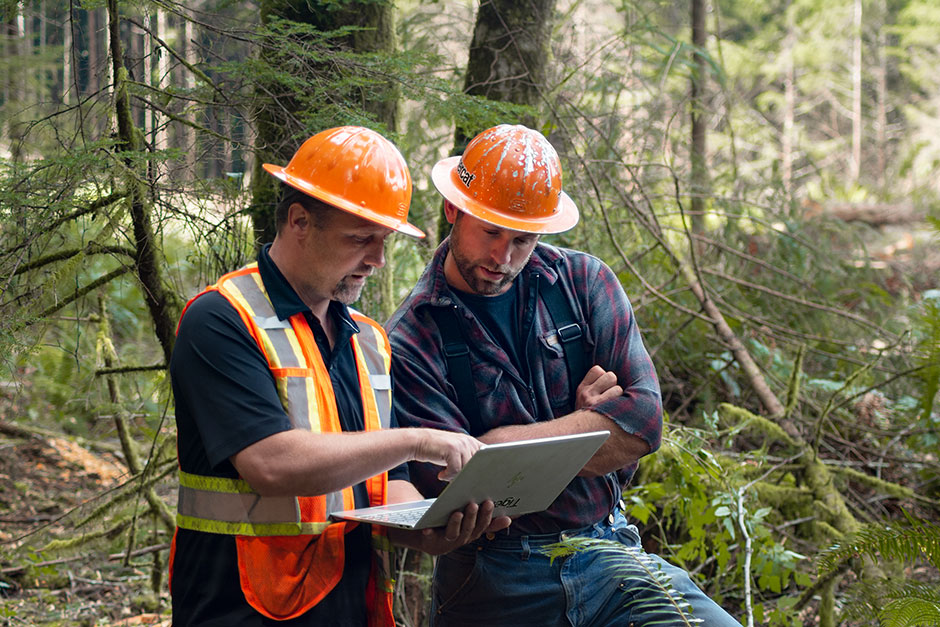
x,y
341,203
562,220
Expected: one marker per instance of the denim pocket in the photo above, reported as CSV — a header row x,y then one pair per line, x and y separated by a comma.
x,y
455,574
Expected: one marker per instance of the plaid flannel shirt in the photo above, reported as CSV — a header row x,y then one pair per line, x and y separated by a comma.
x,y
424,397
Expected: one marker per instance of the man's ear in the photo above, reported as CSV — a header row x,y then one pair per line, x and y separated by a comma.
x,y
297,217
450,211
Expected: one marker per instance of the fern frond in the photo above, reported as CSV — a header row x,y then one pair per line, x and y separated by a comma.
x,y
907,543
911,612
655,586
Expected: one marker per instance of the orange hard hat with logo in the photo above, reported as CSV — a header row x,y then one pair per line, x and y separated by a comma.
x,y
509,176
354,169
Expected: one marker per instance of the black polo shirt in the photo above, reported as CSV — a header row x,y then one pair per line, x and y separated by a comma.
x,y
226,400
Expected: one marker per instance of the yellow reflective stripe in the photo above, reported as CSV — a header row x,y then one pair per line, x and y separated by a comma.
x,y
214,484
249,529
372,362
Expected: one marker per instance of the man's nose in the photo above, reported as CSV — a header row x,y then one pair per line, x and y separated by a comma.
x,y
375,255
501,253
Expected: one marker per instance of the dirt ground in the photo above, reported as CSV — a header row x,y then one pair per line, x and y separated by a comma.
x,y
44,481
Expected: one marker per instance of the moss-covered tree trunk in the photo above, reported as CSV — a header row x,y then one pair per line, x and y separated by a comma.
x,y
162,303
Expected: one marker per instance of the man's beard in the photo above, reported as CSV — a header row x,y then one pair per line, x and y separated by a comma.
x,y
479,285
347,292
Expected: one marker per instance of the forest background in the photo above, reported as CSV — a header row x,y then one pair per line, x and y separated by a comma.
x,y
762,175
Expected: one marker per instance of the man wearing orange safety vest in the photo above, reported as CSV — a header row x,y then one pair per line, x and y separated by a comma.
x,y
283,398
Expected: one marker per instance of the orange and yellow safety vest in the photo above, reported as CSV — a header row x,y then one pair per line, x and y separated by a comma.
x,y
289,553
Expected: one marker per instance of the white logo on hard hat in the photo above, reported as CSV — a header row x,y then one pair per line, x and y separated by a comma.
x,y
465,177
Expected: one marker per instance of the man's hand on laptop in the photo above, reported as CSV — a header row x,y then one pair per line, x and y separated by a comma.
x,y
444,448
463,527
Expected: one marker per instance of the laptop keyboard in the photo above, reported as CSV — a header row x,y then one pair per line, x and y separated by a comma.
x,y
402,516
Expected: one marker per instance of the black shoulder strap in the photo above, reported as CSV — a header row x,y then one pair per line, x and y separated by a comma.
x,y
570,334
458,362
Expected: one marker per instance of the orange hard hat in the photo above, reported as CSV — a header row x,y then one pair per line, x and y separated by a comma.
x,y
354,169
509,176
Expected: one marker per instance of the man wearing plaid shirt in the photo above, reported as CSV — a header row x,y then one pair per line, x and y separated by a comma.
x,y
490,278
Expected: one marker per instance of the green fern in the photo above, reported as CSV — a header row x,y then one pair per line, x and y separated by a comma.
x,y
918,539
918,606
902,604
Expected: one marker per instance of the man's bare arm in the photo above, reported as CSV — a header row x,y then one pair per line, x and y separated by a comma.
x,y
302,463
620,450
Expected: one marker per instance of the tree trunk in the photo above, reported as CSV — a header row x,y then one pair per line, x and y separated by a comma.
x,y
699,182
855,163
162,303
881,91
68,72
189,83
278,133
24,50
92,84
13,82
160,136
508,62
789,106
146,56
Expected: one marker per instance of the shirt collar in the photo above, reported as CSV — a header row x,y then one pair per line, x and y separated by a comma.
x,y
285,300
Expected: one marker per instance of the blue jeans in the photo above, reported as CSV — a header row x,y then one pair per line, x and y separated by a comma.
x,y
510,581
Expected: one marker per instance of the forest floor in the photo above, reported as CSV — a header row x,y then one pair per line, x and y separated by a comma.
x,y
42,481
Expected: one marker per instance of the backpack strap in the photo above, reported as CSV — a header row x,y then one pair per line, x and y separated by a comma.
x,y
457,354
569,332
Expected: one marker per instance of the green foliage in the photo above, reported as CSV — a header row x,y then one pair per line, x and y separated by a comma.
x,y
904,542
904,603
690,497
928,327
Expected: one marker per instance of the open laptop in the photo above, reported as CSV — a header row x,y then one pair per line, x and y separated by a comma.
x,y
519,477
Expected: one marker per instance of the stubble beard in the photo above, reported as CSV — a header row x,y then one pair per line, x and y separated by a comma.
x,y
347,292
479,285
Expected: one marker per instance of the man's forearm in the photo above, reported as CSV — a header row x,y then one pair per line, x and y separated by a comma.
x,y
297,462
621,449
